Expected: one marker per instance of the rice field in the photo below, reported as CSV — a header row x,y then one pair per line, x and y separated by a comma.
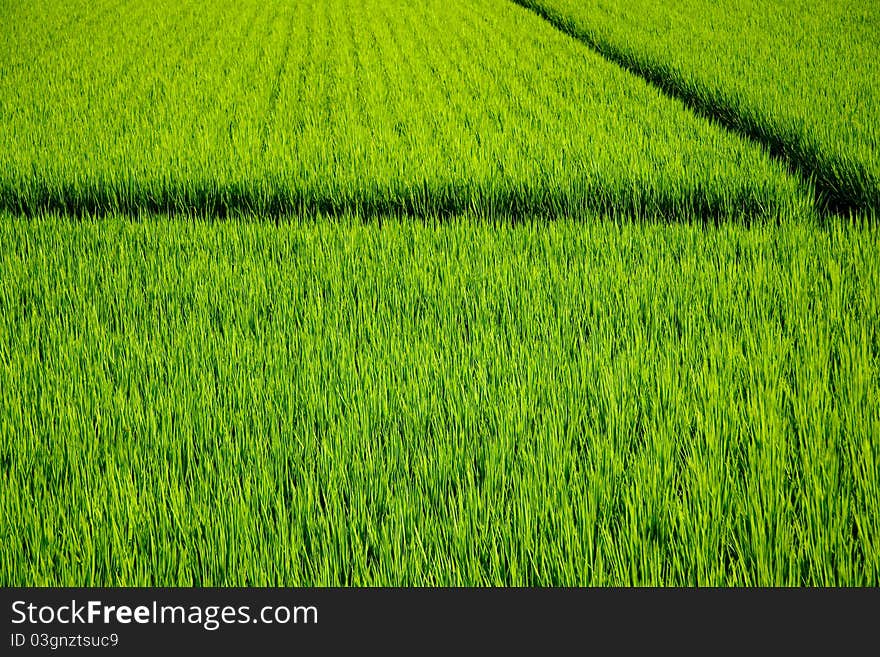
x,y
336,293
799,76
451,403
338,106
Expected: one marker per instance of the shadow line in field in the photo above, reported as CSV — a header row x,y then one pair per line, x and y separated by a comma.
x,y
839,187
514,203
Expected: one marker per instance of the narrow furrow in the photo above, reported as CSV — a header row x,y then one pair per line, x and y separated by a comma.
x,y
277,80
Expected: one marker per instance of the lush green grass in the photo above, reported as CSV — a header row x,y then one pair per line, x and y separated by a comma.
x,y
336,402
342,105
802,76
516,371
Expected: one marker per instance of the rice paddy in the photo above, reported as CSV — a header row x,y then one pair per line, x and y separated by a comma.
x,y
456,293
